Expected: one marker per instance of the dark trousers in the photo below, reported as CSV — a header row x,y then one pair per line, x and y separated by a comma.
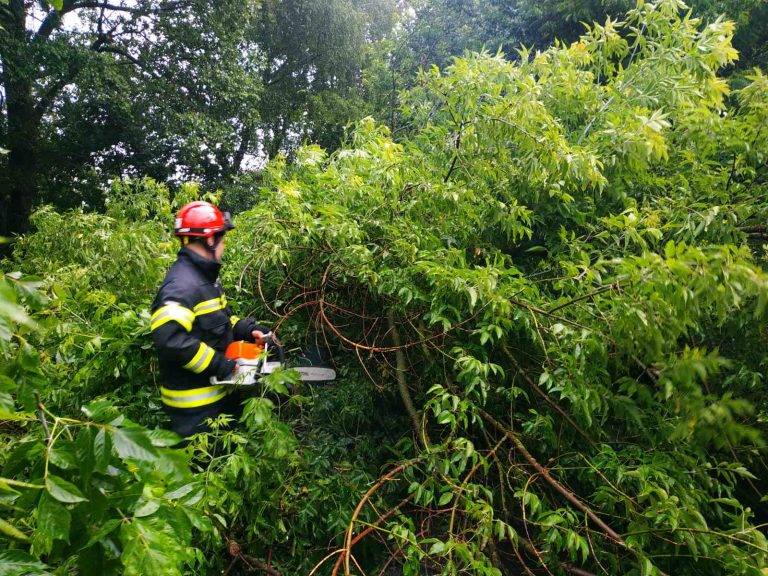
x,y
188,421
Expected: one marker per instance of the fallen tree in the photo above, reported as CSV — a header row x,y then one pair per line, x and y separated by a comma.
x,y
552,267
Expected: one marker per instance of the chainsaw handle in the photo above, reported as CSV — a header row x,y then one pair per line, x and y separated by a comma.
x,y
216,382
239,379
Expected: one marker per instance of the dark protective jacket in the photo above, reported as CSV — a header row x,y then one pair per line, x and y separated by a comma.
x,y
191,327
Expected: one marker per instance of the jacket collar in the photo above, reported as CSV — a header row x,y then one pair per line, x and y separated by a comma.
x,y
209,268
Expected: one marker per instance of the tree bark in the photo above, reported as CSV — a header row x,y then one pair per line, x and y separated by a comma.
x,y
23,133
245,142
402,368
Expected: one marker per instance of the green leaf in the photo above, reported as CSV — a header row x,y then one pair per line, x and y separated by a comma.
x,y
472,291
11,531
163,438
100,410
7,406
102,450
21,456
103,531
647,568
445,417
257,411
53,523
179,492
436,548
58,4
63,490
152,548
133,443
280,380
146,509
445,498
63,456
19,563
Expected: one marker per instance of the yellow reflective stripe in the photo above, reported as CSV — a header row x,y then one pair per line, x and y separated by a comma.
x,y
209,306
206,303
234,320
182,394
192,398
209,310
201,360
175,312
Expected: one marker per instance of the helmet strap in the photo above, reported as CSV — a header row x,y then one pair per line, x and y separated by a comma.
x,y
203,241
217,238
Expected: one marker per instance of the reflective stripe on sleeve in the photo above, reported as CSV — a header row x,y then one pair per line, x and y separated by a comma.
x,y
192,398
175,312
201,360
233,320
208,306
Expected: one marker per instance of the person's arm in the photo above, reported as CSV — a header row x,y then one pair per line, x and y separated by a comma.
x,y
171,326
244,328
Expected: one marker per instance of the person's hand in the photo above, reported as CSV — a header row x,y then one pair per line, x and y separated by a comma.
x,y
258,336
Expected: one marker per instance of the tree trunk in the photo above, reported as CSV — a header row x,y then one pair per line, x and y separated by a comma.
x,y
245,142
23,135
23,125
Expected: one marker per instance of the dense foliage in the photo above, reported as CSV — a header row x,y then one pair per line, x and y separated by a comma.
x,y
546,301
176,90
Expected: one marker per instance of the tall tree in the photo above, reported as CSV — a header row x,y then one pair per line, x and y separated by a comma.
x,y
174,89
434,31
41,60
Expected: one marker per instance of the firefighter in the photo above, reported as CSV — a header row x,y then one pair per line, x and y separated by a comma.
x,y
192,325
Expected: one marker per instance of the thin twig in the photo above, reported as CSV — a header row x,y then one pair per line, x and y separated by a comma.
x,y
381,481
41,416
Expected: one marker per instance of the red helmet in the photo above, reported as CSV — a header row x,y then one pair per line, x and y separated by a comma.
x,y
201,219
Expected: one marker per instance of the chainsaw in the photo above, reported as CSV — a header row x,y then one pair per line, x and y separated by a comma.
x,y
253,363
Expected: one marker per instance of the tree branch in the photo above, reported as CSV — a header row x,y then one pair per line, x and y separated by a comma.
x,y
236,551
99,45
52,19
612,286
54,88
245,141
51,22
401,369
120,52
129,9
347,550
544,473
535,387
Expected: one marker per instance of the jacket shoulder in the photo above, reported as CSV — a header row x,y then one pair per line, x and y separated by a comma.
x,y
181,284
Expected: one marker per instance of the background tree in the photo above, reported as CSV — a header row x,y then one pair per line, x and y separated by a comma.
x,y
39,60
170,89
432,32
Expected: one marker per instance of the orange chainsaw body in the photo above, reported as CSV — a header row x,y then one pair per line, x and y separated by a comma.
x,y
243,350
